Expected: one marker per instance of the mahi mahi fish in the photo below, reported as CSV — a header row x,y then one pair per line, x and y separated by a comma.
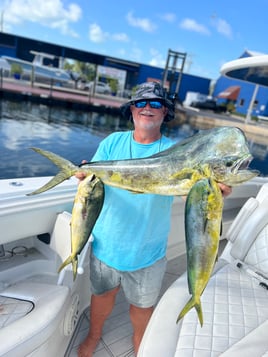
x,y
203,211
87,206
173,171
192,166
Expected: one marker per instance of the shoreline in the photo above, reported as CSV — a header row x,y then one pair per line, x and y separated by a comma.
x,y
254,131
78,100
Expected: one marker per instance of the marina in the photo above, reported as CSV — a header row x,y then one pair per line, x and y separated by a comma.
x,y
53,95
76,134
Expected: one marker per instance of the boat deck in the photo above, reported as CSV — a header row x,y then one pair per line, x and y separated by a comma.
x,y
117,332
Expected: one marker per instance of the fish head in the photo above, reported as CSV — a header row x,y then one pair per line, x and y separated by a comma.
x,y
228,156
233,169
229,142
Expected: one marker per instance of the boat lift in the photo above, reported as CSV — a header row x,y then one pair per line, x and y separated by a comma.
x,y
173,72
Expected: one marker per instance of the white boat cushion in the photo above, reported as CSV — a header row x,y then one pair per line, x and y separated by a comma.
x,y
234,303
257,256
233,306
61,235
253,345
246,211
246,309
252,227
23,336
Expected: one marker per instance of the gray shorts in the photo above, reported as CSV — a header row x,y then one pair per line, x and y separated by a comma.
x,y
141,287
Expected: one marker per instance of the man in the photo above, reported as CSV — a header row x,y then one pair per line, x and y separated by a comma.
x,y
130,235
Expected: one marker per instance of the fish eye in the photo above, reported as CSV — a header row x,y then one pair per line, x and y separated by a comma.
x,y
229,163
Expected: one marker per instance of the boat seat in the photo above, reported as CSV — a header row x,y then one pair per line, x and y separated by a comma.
x,y
61,243
44,307
247,236
60,240
234,302
41,260
36,303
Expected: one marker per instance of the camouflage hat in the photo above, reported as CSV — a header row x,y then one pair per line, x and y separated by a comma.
x,y
149,90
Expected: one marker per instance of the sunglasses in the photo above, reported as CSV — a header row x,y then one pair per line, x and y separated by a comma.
x,y
155,104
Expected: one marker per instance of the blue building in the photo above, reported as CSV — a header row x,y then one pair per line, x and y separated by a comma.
x,y
22,48
241,93
226,90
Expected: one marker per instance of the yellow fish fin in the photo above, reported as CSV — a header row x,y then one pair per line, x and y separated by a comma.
x,y
74,261
196,303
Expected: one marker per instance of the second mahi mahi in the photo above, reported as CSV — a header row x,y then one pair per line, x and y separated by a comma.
x,y
88,203
203,212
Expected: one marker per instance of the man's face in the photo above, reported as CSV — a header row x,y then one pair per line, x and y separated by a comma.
x,y
148,114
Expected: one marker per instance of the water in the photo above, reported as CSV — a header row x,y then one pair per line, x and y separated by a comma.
x,y
72,134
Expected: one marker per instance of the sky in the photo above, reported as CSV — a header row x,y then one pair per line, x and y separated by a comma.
x,y
210,32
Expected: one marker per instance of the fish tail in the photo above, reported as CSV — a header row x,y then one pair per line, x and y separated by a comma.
x,y
67,169
74,261
75,264
193,302
65,263
199,311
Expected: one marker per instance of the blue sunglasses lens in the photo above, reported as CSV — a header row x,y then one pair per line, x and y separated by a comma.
x,y
155,104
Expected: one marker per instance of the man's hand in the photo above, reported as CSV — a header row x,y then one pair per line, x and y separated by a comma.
x,y
226,190
81,175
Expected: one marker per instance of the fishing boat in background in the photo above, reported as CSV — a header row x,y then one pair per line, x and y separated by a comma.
x,y
37,71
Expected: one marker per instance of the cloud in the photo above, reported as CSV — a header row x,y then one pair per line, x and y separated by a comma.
x,y
168,17
157,59
223,27
192,25
49,13
144,24
219,24
121,37
133,54
136,54
97,35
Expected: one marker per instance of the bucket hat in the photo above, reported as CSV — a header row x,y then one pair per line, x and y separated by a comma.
x,y
149,90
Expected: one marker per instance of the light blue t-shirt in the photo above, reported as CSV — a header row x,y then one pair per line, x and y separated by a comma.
x,y
132,230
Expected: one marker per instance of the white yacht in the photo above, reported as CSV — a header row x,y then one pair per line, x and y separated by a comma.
x,y
38,70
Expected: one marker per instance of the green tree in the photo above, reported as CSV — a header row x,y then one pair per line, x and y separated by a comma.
x,y
16,69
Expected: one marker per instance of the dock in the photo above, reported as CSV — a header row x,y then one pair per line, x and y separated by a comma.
x,y
75,99
53,95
